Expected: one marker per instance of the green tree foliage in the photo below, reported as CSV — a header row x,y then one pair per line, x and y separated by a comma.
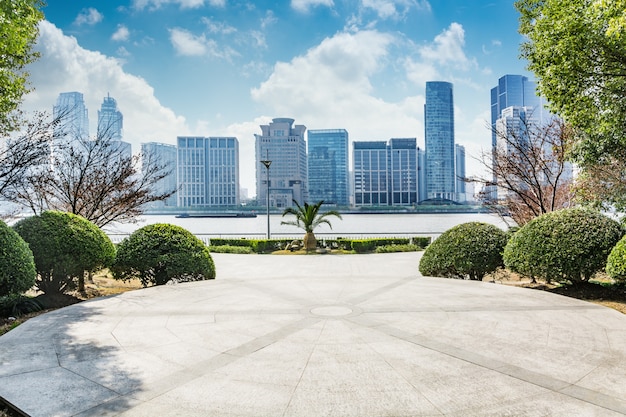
x,y
568,245
577,50
18,32
17,266
65,247
158,253
469,250
616,262
308,217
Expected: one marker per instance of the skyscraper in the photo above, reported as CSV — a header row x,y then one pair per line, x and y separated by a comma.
x,y
403,171
328,166
164,155
459,159
371,176
439,139
208,171
282,143
110,126
110,120
71,112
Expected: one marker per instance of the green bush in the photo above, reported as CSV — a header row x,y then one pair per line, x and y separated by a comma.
x,y
565,245
17,265
469,250
616,262
158,253
18,305
65,247
242,250
257,245
397,248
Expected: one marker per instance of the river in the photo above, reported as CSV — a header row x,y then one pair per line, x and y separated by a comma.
x,y
352,225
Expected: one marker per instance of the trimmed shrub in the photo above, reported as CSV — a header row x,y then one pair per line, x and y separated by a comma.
x,y
397,248
469,250
242,250
158,253
257,245
565,245
616,262
65,247
17,265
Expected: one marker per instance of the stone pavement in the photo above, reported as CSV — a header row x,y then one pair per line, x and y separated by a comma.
x,y
320,335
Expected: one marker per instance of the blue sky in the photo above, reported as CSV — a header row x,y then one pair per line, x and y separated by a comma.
x,y
223,67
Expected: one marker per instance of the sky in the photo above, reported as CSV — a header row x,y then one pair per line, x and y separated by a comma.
x,y
225,67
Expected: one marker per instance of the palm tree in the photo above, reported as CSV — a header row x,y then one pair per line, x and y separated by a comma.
x,y
308,218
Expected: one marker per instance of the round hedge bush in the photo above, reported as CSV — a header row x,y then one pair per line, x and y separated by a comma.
x,y
65,246
158,253
565,245
17,265
469,250
616,262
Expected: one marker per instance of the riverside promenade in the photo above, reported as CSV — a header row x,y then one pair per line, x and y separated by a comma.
x,y
320,335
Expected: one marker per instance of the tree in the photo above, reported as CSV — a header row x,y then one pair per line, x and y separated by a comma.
x,y
577,51
532,176
96,179
65,247
18,31
23,152
158,253
17,266
308,217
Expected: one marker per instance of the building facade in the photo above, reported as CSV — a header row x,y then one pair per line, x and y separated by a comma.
x,y
328,166
72,116
110,127
439,141
163,155
282,143
207,172
403,171
371,173
459,161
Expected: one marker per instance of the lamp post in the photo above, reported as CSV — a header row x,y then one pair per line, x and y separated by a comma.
x,y
267,164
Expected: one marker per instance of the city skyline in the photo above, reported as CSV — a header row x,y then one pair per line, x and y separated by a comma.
x,y
225,67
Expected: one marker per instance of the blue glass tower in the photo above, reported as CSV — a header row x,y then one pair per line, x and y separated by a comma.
x,y
403,171
439,139
328,166
371,180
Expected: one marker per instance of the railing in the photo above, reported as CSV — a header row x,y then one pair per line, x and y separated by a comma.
x,y
206,237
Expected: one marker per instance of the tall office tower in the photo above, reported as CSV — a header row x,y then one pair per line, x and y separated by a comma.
x,y
110,125
403,171
73,118
421,174
371,176
282,143
439,138
110,120
208,172
163,155
515,90
459,159
328,166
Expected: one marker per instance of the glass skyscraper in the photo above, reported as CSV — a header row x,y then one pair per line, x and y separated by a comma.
x,y
403,171
110,120
208,171
459,157
71,112
371,175
439,140
328,166
163,155
282,143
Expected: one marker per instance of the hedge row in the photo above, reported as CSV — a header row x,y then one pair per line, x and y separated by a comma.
x,y
356,245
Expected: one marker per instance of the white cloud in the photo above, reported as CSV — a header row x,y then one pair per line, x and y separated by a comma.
x,y
447,47
89,17
121,34
218,27
394,9
95,75
268,20
303,6
185,43
184,4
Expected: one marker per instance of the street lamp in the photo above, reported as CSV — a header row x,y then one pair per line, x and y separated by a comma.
x,y
267,164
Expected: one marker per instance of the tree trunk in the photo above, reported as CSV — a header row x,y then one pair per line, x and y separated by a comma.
x,y
310,242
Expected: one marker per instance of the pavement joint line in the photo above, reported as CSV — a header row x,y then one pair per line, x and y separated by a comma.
x,y
535,378
467,309
365,297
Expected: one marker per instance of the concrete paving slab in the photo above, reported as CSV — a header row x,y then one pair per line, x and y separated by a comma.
x,y
320,335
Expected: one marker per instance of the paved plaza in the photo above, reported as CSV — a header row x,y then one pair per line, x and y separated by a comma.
x,y
320,335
